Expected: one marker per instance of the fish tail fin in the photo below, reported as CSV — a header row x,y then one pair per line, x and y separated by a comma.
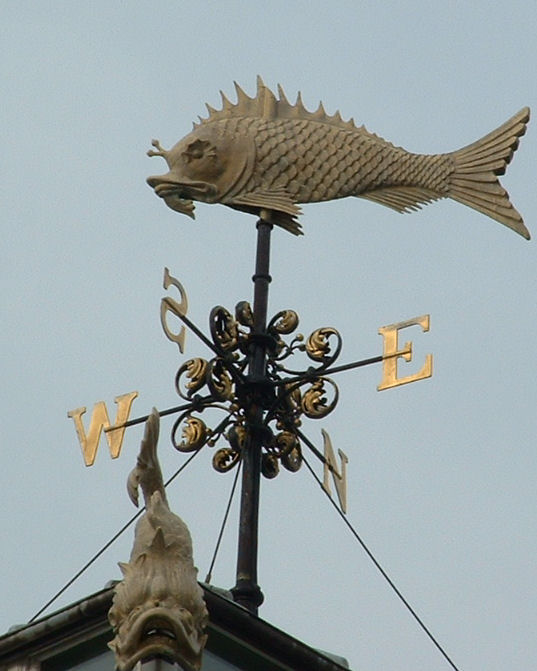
x,y
474,181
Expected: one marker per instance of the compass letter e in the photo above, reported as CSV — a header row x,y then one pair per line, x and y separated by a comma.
x,y
391,354
178,309
100,420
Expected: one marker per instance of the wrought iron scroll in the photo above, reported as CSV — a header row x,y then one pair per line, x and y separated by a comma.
x,y
286,394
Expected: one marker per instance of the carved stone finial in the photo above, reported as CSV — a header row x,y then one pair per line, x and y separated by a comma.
x,y
158,608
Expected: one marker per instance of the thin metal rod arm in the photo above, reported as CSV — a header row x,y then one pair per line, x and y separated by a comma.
x,y
313,374
198,332
276,383
162,413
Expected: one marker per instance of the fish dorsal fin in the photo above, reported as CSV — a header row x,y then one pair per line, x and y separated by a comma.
x,y
265,105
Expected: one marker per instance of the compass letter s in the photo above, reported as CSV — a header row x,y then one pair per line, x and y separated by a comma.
x,y
100,420
178,309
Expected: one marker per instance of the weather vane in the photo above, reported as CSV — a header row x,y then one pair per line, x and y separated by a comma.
x,y
263,153
264,156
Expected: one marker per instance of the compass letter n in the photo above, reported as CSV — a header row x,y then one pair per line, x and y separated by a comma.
x,y
100,420
330,467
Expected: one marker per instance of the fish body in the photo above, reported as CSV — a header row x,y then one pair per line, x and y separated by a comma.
x,y
264,154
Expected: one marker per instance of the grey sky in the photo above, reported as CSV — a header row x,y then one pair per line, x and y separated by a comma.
x,y
442,473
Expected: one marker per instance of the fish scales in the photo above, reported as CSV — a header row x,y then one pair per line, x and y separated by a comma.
x,y
264,155
336,163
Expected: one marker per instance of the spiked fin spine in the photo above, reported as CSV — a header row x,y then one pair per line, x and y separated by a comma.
x,y
260,84
266,105
242,98
226,103
283,97
474,181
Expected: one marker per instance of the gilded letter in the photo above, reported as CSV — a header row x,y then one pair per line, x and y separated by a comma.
x,y
178,309
331,467
392,353
100,420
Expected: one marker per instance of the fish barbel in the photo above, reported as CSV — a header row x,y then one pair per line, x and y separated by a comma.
x,y
264,153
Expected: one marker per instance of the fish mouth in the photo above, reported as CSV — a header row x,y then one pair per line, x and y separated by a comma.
x,y
157,632
178,194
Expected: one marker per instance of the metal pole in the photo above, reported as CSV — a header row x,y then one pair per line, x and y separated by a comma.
x,y
246,591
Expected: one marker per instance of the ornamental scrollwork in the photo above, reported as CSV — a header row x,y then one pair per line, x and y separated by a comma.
x,y
286,394
195,370
194,434
315,403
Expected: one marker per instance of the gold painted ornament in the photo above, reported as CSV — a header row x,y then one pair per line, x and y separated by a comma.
x,y
265,155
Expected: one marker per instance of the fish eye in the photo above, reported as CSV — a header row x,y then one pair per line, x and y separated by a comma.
x,y
196,149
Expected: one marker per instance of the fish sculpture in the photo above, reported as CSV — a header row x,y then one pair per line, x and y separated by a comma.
x,y
264,156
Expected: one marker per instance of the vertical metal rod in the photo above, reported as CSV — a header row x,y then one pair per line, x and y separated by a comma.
x,y
246,591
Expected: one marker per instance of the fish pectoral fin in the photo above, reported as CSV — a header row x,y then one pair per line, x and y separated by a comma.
x,y
275,199
278,201
402,198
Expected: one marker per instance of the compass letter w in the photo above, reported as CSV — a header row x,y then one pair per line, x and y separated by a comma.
x,y
89,442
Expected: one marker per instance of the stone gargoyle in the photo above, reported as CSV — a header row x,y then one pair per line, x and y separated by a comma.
x,y
158,608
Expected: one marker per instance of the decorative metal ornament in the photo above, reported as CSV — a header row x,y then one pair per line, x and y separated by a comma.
x,y
264,154
158,608
285,395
